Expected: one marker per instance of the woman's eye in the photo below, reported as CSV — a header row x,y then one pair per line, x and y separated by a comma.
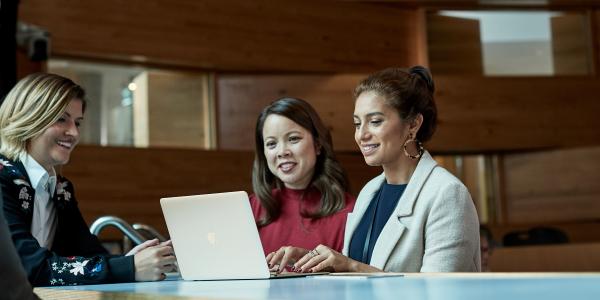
x,y
356,125
270,145
295,139
376,122
78,124
61,120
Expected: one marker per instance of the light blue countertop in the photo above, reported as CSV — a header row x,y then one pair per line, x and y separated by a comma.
x,y
546,286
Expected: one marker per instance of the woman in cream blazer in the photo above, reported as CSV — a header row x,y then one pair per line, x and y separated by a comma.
x,y
416,216
434,227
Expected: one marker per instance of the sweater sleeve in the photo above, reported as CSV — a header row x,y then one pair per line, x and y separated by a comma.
x,y
14,286
119,268
45,267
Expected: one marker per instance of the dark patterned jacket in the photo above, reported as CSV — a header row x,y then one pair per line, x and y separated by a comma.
x,y
76,257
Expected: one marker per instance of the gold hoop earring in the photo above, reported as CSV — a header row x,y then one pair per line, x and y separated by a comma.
x,y
418,145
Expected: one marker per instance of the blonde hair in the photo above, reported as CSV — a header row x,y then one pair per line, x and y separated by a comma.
x,y
34,104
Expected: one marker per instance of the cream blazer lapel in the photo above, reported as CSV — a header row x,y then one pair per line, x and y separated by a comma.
x,y
393,229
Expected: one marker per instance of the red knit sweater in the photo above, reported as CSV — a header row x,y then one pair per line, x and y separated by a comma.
x,y
291,229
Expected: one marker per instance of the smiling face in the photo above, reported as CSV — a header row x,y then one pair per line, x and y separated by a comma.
x,y
380,132
54,145
289,150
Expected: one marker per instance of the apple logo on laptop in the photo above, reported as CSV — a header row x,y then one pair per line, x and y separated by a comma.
x,y
212,238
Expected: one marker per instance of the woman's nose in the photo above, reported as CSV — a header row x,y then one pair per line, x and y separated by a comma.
x,y
363,133
283,152
72,130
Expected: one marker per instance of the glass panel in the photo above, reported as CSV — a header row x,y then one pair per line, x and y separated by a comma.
x,y
108,116
511,43
137,106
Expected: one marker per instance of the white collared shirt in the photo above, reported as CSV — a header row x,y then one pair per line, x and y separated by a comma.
x,y
44,222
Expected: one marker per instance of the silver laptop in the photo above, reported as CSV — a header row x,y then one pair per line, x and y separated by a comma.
x,y
215,237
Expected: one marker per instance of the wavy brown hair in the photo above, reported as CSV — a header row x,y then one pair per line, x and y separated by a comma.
x,y
329,178
409,91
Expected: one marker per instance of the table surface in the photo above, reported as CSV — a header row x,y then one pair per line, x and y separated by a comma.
x,y
490,286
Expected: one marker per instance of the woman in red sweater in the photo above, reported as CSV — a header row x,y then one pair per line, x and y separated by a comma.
x,y
301,191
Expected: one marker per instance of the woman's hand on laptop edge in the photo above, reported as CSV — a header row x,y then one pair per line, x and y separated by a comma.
x,y
153,262
142,246
284,257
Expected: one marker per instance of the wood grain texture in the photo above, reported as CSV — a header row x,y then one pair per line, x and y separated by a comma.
x,y
512,113
494,4
231,35
241,98
552,186
25,66
571,44
170,110
476,114
454,45
549,258
129,182
595,37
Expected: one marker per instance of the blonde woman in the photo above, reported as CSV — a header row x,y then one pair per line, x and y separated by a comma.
x,y
39,128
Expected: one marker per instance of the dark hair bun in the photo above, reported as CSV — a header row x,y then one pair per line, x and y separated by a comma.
x,y
424,74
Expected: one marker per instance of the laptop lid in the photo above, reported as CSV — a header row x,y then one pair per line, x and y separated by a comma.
x,y
215,236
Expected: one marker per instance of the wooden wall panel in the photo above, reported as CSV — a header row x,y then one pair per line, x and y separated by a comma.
x,y
493,114
129,182
25,66
555,258
170,110
552,186
476,114
571,44
231,35
454,45
595,36
241,98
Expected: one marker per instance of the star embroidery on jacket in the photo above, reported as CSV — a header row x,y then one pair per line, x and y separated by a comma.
x,y
78,267
52,281
25,205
